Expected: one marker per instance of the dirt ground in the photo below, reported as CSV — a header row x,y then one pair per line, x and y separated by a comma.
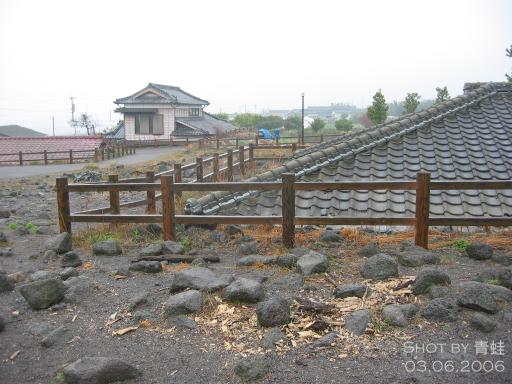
x,y
227,332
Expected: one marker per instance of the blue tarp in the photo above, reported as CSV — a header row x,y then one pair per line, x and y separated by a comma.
x,y
264,134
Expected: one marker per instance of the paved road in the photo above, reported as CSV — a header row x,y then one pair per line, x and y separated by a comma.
x,y
142,155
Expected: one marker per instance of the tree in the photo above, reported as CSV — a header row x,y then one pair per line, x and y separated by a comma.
x,y
317,125
509,54
411,102
378,111
442,94
343,125
293,122
221,116
85,122
247,119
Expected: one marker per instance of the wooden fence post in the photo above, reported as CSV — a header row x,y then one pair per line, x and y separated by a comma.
x,y
215,166
70,156
294,147
63,210
241,159
236,142
20,155
168,210
277,140
199,169
218,143
151,208
251,156
118,151
177,177
288,210
322,138
229,176
256,140
96,155
102,154
422,208
115,207
45,157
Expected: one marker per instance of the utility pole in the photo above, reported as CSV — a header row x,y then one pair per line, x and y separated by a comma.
x,y
53,125
302,126
73,111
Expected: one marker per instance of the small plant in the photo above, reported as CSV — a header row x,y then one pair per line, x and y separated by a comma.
x,y
493,282
32,228
186,244
13,226
97,237
460,244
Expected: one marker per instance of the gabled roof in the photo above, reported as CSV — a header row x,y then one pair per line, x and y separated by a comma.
x,y
206,124
17,130
161,94
467,137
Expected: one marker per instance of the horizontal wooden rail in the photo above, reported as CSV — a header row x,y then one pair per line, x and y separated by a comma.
x,y
471,221
356,185
200,219
114,187
470,184
113,218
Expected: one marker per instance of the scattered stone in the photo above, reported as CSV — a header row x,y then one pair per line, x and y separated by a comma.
x,y
300,251
173,247
139,300
2,324
5,252
88,176
218,237
289,281
233,229
244,290
121,271
181,321
50,255
330,236
271,338
325,341
256,259
474,297
499,276
416,257
369,250
6,284
438,291
59,244
141,315
356,322
483,322
68,273
43,293
273,312
78,288
380,267
502,258
429,277
4,214
3,237
146,266
17,277
444,309
154,229
154,249
252,368
199,262
498,292
397,314
71,259
57,336
287,261
21,231
248,248
479,251
198,278
351,290
256,275
183,303
99,370
41,275
107,248
40,329
312,262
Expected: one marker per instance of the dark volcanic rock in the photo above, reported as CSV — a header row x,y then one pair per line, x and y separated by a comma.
x,y
173,247
443,309
483,322
43,293
369,250
380,267
273,312
252,368
60,243
312,262
351,290
271,338
357,321
427,278
330,236
417,257
243,290
479,251
98,370
183,303
152,250
57,336
146,266
6,284
474,297
107,248
198,278
71,259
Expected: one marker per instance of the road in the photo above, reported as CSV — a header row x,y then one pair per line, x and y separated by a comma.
x,y
142,155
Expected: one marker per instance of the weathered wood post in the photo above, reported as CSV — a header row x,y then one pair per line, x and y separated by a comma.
x,y
256,140
63,210
218,143
118,151
229,176
177,177
241,159
70,156
236,142
115,207
45,157
422,208
168,210
199,169
322,138
251,156
102,154
277,140
96,155
20,156
294,147
215,165
200,144
288,210
151,208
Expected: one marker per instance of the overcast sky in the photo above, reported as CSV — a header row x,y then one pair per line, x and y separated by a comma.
x,y
240,55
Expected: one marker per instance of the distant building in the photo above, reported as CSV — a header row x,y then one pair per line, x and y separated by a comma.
x,y
160,111
18,131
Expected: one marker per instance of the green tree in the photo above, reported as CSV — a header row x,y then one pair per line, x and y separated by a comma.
x,y
247,119
293,122
221,116
317,125
378,111
509,54
343,125
442,94
411,102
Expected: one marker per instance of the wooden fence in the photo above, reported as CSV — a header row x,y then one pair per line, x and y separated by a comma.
x,y
70,156
169,189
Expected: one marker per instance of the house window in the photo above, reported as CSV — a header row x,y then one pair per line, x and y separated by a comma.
x,y
194,111
149,124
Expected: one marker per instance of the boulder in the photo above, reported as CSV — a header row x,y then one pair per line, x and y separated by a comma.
x,y
397,314
42,275
351,290
154,229
500,276
498,292
5,252
6,284
252,368
99,370
474,297
183,303
356,322
289,281
67,273
438,291
4,214
312,262
78,289
417,257
369,250
59,244
287,261
107,248
198,278
199,262
444,309
173,247
483,322
233,229
70,259
247,261
248,248
181,321
218,237
479,251
271,338
146,266
3,237
429,277
380,267
43,293
273,312
152,250
330,236
57,336
244,290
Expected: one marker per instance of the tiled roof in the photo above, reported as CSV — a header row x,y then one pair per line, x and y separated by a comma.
x,y
206,124
17,130
465,138
13,145
168,95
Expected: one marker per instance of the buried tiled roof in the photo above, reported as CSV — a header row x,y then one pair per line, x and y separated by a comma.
x,y
206,124
167,94
465,138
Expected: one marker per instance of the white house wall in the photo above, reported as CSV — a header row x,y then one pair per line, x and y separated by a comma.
x,y
129,123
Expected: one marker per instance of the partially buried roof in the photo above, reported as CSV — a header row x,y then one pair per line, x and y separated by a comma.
x,y
206,124
17,130
161,94
468,137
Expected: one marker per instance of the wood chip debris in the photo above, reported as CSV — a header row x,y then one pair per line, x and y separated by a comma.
x,y
123,331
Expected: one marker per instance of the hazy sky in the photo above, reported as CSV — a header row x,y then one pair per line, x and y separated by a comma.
x,y
240,55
